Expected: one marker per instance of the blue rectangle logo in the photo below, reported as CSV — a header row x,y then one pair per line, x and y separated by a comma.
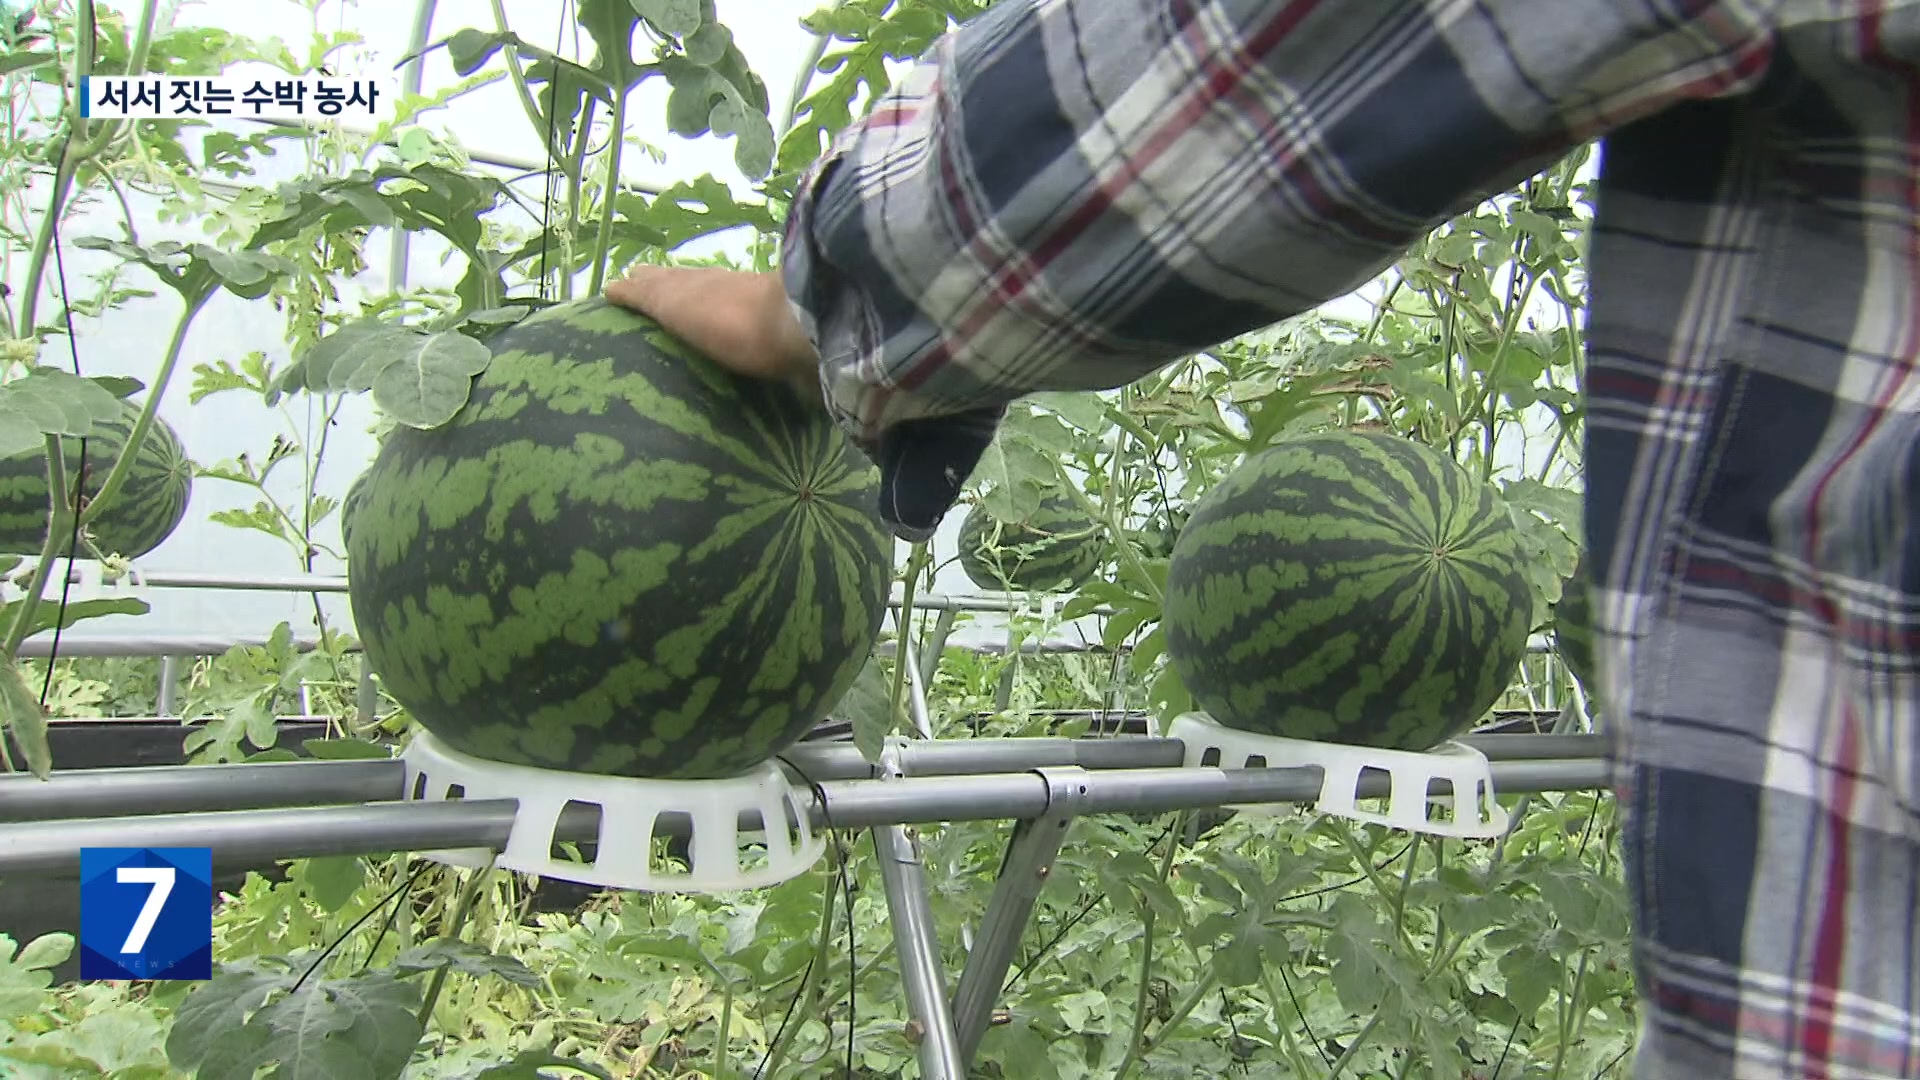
x,y
146,913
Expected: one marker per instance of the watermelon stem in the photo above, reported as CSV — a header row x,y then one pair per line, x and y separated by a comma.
x,y
58,528
1354,1047
603,237
469,897
903,623
810,981
1136,1044
123,465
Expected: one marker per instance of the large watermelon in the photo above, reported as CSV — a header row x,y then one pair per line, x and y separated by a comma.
x,y
147,509
1349,588
618,558
1055,548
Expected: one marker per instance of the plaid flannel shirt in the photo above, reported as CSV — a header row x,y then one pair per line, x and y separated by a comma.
x,y
1068,194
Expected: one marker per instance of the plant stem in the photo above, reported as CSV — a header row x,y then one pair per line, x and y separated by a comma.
x,y
511,54
1353,1048
1136,1044
59,527
903,622
777,1054
123,465
72,156
721,1069
603,241
816,52
469,896
1181,1011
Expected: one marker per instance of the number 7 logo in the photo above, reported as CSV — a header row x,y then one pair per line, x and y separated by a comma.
x,y
161,878
146,913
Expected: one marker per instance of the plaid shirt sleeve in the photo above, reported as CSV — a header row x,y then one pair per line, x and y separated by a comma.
x,y
1066,194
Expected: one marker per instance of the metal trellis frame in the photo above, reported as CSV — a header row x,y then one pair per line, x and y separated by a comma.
x,y
249,813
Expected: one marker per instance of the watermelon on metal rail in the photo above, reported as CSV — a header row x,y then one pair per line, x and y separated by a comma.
x,y
618,558
1348,588
1055,548
148,508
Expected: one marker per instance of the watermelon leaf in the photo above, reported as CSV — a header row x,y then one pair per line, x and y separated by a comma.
x,y
48,401
23,61
1084,410
360,1026
1014,476
345,361
22,715
703,100
346,749
674,18
868,706
45,615
26,976
470,49
427,383
528,1065
467,958
708,45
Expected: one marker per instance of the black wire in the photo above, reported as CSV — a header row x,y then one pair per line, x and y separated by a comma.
x,y
80,477
393,913
844,882
359,922
1319,1048
552,191
1078,917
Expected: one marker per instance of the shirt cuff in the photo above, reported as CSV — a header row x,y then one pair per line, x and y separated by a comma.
x,y
924,462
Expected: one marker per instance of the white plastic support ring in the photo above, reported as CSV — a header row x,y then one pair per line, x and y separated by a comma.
x,y
1462,774
721,855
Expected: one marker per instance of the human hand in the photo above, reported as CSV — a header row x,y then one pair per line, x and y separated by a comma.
x,y
739,319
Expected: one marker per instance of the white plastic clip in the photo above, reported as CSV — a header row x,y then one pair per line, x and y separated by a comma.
x,y
720,852
1461,774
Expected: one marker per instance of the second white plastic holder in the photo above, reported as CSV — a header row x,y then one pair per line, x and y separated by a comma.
x,y
1460,771
629,809
86,580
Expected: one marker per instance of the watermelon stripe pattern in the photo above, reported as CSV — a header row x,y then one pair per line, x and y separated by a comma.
x,y
618,558
1573,625
1058,547
148,508
1350,588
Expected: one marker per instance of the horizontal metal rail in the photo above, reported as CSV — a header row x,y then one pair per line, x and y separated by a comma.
x,y
177,789
337,583
51,848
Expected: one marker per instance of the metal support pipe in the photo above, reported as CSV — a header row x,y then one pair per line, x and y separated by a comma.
x,y
336,583
935,645
916,690
244,837
248,838
916,941
410,83
905,881
1029,861
181,789
366,693
167,700
172,789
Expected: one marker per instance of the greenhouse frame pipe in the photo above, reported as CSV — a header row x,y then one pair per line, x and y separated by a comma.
x,y
337,583
916,943
410,84
175,789
247,837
